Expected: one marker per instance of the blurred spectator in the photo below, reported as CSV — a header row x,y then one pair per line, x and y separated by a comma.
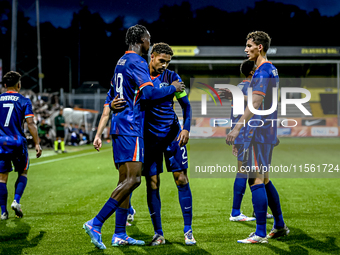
x,y
43,132
83,136
59,122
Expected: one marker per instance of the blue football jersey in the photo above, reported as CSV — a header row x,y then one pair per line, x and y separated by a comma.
x,y
264,80
160,114
14,109
235,118
130,76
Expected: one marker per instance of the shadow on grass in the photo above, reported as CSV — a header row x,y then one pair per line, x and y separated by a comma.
x,y
301,243
168,248
298,242
14,239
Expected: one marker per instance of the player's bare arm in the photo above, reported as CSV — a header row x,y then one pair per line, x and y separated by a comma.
x,y
180,86
34,132
257,101
97,143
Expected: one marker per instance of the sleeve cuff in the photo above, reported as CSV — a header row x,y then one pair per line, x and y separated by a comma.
x,y
145,84
259,93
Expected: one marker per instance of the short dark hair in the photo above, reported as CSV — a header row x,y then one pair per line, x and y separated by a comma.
x,y
260,37
134,34
11,78
246,67
161,47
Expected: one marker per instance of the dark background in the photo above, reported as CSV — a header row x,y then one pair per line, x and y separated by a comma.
x,y
94,42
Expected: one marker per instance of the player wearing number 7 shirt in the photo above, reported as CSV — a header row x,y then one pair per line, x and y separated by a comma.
x,y
15,109
131,80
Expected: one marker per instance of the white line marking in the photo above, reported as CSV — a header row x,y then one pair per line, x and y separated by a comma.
x,y
65,158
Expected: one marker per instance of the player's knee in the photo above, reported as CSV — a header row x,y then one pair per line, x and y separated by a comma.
x,y
181,179
134,182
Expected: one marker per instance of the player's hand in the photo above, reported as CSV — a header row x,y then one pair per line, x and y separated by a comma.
x,y
118,104
38,150
235,151
183,138
97,143
232,136
225,93
180,86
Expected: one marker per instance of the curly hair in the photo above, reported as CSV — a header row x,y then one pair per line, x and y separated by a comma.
x,y
260,37
246,67
161,47
11,78
134,34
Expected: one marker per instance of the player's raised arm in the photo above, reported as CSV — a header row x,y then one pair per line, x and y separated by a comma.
x,y
34,132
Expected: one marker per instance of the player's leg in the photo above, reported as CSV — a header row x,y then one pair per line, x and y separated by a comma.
x,y
128,156
185,201
154,205
259,195
131,213
279,229
240,185
3,191
120,236
21,165
176,159
153,167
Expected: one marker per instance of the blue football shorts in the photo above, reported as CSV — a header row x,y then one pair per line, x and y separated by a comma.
x,y
261,156
127,149
19,158
176,157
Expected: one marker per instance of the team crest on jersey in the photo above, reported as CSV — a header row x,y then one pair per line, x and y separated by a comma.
x,y
163,84
121,62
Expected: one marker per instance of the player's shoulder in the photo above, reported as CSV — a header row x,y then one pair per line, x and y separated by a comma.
x,y
13,96
171,75
265,70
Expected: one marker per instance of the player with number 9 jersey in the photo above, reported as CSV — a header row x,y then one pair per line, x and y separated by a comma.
x,y
130,77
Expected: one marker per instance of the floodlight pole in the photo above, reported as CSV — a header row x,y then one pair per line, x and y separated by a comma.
x,y
40,74
14,35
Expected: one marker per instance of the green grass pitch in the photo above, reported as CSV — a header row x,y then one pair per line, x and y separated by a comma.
x,y
66,190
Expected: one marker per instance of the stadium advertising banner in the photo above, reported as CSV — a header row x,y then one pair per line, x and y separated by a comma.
x,y
288,115
291,127
238,51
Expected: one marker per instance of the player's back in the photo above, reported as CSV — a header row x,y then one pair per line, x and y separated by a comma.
x,y
130,76
14,109
264,80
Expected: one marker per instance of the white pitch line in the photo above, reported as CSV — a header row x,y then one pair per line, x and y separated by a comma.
x,y
64,158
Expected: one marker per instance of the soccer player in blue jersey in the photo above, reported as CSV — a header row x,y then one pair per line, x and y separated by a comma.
x,y
259,141
131,80
15,109
247,69
164,136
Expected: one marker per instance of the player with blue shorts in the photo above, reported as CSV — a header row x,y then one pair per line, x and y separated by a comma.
x,y
130,81
247,69
15,109
164,136
260,139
